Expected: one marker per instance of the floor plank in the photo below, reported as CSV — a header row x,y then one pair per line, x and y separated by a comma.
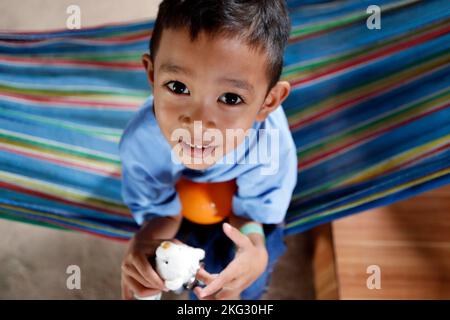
x,y
409,241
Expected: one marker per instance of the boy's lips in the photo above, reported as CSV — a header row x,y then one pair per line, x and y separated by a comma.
x,y
204,146
196,151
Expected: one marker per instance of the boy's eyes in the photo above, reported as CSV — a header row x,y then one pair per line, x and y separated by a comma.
x,y
227,98
177,87
231,98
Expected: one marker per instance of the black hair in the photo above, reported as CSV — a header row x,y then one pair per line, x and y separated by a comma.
x,y
262,24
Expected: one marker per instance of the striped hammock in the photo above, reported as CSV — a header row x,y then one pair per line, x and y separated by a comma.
x,y
369,112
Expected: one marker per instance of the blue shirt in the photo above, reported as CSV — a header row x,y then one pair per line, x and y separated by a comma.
x,y
149,175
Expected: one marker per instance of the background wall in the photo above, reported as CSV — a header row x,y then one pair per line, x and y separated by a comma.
x,y
51,14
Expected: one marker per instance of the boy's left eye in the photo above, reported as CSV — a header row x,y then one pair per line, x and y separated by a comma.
x,y
231,99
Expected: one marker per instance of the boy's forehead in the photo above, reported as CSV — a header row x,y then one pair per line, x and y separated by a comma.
x,y
180,39
177,53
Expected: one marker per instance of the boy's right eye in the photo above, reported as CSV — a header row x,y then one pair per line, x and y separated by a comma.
x,y
177,87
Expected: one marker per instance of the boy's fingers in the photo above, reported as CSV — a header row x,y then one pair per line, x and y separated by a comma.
x,y
130,270
147,272
138,289
230,274
226,276
197,292
227,294
223,294
232,271
231,291
236,236
205,277
176,241
213,287
126,292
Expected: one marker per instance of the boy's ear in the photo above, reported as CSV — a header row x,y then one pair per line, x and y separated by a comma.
x,y
149,68
275,97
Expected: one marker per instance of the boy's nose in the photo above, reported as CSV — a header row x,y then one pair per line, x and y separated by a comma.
x,y
188,121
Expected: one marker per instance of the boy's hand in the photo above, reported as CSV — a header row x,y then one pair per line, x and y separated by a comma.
x,y
249,263
138,275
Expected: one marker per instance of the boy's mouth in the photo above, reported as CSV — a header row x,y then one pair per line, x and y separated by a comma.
x,y
196,151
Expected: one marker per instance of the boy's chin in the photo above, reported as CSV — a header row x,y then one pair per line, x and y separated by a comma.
x,y
197,166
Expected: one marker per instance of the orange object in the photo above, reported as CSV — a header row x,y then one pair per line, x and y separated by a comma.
x,y
206,203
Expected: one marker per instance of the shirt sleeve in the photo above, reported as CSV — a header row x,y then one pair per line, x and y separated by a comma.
x,y
147,183
265,198
145,196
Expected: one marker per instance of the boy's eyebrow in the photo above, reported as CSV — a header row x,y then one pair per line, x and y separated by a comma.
x,y
172,68
241,84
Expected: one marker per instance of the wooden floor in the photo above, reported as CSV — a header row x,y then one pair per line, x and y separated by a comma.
x,y
409,241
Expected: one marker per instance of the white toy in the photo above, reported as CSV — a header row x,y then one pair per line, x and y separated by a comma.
x,y
177,264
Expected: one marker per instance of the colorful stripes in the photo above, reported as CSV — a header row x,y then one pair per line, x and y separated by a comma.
x,y
369,112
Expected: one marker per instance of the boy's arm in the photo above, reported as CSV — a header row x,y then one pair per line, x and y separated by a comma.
x,y
159,228
239,222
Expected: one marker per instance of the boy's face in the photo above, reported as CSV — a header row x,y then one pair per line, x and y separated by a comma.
x,y
204,88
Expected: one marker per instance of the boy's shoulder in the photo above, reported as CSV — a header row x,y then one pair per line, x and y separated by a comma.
x,y
141,119
277,120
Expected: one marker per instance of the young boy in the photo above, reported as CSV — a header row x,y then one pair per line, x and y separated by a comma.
x,y
214,66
